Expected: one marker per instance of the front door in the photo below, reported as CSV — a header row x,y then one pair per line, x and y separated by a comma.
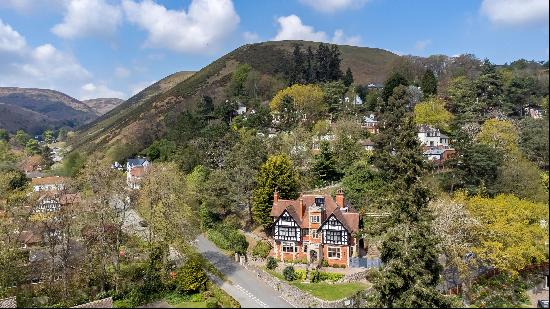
x,y
313,256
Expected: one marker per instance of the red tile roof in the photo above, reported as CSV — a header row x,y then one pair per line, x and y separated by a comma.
x,y
47,180
349,219
137,171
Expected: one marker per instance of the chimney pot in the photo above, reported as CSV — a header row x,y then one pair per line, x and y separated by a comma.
x,y
276,196
340,200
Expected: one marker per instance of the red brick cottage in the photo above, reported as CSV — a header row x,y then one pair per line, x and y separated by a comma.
x,y
314,228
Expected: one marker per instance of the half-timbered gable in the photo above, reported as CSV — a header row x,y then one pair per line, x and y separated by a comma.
x,y
334,232
314,227
286,228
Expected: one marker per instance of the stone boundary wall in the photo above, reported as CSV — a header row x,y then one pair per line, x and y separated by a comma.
x,y
102,303
363,275
294,295
10,302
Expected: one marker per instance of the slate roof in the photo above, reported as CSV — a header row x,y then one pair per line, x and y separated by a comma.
x,y
136,161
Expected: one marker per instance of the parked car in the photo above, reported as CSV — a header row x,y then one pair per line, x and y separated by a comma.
x,y
542,303
143,223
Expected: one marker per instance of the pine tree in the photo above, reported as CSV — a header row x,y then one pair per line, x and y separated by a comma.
x,y
309,66
277,173
429,83
334,71
325,165
348,78
322,58
393,81
408,247
297,69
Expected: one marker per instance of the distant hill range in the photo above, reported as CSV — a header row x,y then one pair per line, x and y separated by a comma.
x,y
102,105
35,110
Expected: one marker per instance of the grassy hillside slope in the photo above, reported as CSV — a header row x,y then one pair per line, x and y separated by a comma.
x,y
142,118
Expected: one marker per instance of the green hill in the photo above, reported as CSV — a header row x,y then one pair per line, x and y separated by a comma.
x,y
141,119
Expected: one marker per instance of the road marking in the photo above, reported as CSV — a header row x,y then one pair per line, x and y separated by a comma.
x,y
254,298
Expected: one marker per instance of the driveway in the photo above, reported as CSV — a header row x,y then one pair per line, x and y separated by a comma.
x,y
242,284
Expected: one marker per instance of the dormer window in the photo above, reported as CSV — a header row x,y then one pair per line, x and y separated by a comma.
x,y
319,201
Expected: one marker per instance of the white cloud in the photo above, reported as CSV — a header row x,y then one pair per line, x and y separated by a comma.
x,y
10,40
87,18
329,6
26,6
45,66
136,88
202,27
93,91
251,37
340,38
292,28
515,12
122,72
421,45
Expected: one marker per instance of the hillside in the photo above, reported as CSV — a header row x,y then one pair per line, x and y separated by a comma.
x,y
102,105
142,118
38,109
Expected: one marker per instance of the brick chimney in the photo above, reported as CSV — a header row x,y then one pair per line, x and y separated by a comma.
x,y
276,196
340,198
302,208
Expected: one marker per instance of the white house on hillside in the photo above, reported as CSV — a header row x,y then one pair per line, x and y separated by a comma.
x,y
432,137
135,170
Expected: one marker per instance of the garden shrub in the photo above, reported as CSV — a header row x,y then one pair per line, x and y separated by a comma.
x,y
324,263
228,238
212,303
261,249
324,276
315,276
271,263
300,274
191,277
289,274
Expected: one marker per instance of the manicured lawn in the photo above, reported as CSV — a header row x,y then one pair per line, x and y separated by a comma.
x,y
329,291
324,290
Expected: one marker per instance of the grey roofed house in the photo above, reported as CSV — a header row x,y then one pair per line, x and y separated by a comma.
x,y
134,162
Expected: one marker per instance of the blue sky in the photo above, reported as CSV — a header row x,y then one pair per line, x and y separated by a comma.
x,y
114,48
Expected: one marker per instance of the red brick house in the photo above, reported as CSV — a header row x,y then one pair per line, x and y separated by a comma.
x,y
314,228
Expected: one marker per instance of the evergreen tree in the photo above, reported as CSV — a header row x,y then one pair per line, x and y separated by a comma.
x,y
4,135
276,174
322,58
348,78
408,247
325,165
429,83
32,147
297,68
393,81
489,87
334,71
310,66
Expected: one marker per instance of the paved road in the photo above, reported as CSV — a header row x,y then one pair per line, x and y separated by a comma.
x,y
244,286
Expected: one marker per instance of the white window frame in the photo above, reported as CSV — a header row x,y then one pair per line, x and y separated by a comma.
x,y
314,234
338,253
288,245
314,219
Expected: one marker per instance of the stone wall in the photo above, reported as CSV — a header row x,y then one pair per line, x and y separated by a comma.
x,y
10,302
363,275
295,296
102,303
